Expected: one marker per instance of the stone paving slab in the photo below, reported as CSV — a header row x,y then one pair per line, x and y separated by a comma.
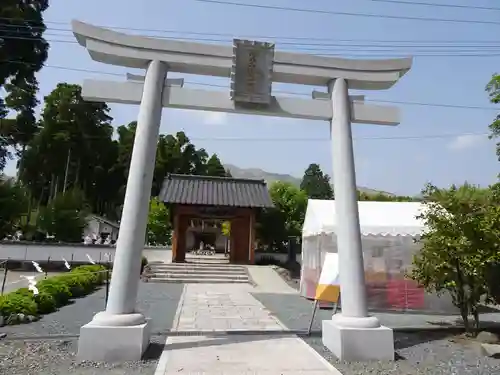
x,y
267,280
223,307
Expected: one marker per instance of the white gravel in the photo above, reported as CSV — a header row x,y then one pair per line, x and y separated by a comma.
x,y
435,352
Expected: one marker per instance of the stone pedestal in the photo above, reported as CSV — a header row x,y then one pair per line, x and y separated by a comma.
x,y
114,338
358,343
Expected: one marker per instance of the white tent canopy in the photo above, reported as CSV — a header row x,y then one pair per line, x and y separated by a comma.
x,y
388,233
376,218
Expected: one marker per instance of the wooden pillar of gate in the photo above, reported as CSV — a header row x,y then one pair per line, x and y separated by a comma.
x,y
241,239
179,242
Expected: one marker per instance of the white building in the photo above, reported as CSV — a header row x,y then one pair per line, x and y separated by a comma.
x,y
100,227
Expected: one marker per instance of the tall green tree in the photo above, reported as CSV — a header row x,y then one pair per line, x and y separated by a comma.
x,y
276,225
65,216
215,167
76,146
13,204
177,154
316,184
493,90
461,243
23,51
4,150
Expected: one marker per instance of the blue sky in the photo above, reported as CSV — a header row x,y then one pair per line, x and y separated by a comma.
x,y
385,159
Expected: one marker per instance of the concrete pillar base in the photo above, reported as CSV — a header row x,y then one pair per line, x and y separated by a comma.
x,y
114,338
358,342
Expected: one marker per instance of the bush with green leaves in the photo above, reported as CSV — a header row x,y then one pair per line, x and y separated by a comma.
x,y
17,303
460,247
53,292
95,272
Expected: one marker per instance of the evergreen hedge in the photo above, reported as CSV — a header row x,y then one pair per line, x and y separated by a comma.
x,y
54,292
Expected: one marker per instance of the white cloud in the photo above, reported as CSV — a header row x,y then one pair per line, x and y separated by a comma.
x,y
214,118
466,141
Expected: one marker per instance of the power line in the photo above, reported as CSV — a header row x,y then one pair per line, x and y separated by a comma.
x,y
344,51
424,104
295,44
459,6
435,104
321,139
350,14
231,36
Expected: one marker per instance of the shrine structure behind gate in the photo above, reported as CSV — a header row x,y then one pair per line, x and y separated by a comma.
x,y
121,333
234,200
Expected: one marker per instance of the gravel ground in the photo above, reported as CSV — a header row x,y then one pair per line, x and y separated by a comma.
x,y
43,356
425,352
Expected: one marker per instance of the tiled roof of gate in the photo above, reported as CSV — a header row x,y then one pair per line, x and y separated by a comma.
x,y
215,191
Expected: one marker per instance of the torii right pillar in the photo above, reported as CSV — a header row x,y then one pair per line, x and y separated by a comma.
x,y
352,335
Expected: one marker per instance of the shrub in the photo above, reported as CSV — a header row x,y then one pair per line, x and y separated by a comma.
x,y
17,303
57,288
95,271
54,292
79,285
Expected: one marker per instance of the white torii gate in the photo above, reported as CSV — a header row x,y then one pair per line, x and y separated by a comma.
x,y
121,333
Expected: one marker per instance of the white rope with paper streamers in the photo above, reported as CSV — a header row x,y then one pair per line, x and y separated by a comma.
x,y
66,264
31,284
92,261
37,266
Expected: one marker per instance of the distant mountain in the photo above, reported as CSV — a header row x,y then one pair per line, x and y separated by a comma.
x,y
269,177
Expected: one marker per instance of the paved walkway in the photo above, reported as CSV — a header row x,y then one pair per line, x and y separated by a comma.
x,y
267,280
229,307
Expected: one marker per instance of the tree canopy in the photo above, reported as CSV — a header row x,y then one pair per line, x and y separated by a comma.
x,y
82,152
460,245
71,131
316,184
493,90
65,216
23,51
13,205
215,167
159,228
285,219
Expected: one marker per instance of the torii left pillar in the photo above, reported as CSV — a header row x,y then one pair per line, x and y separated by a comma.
x,y
121,333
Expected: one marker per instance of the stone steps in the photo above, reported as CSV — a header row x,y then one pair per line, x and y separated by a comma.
x,y
201,271
209,273
196,280
197,267
206,259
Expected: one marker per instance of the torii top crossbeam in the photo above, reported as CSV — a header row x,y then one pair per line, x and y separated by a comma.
x,y
115,48
133,51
